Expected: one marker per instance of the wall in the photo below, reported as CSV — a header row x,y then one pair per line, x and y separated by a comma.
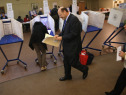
x,y
105,3
22,7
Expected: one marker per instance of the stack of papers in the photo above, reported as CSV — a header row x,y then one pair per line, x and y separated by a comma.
x,y
50,40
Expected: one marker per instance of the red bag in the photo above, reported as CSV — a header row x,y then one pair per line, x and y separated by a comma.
x,y
83,57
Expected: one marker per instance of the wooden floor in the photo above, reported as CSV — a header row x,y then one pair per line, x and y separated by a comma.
x,y
15,70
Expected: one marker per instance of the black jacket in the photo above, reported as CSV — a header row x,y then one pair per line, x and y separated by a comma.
x,y
71,39
38,34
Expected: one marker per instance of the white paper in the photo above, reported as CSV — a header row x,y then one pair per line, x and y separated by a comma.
x,y
84,21
45,3
9,7
74,1
7,28
46,10
1,29
50,40
74,8
118,58
115,17
10,14
96,19
60,24
46,7
49,31
17,28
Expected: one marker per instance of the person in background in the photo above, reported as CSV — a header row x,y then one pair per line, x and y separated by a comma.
x,y
38,34
32,16
71,41
121,82
54,15
40,12
26,18
3,16
19,19
70,8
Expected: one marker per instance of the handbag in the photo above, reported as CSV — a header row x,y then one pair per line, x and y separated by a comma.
x,y
86,58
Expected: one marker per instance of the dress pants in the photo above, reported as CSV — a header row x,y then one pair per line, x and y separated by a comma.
x,y
77,65
41,54
121,83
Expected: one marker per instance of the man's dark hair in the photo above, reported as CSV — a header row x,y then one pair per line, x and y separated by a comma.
x,y
55,6
64,9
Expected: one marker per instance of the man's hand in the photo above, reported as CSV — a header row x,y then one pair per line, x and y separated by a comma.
x,y
122,54
57,37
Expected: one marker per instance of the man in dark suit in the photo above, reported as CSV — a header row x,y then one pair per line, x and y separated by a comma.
x,y
71,41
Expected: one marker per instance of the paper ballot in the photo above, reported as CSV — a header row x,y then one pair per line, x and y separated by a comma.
x,y
115,17
118,58
51,41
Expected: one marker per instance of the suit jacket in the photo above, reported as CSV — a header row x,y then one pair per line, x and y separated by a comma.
x,y
37,36
71,39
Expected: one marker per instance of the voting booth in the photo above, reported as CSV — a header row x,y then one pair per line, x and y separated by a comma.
x,y
11,32
48,21
91,22
116,18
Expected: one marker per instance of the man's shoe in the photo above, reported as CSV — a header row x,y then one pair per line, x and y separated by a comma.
x,y
107,93
43,68
85,73
65,78
110,93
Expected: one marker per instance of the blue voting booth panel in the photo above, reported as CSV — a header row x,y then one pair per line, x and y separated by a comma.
x,y
108,41
90,29
9,39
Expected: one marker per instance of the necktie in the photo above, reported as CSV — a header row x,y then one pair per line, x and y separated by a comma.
x,y
64,24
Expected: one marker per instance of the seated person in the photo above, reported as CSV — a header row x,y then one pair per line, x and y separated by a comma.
x,y
3,16
32,16
26,18
38,34
19,19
